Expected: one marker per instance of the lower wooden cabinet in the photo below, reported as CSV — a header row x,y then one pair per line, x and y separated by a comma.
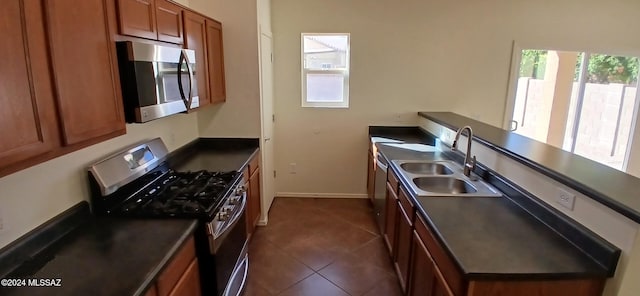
x,y
253,193
403,247
425,268
390,222
181,276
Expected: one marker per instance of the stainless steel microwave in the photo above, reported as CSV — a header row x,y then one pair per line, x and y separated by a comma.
x,y
157,81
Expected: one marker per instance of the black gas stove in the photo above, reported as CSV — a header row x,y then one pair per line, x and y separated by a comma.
x,y
137,182
179,194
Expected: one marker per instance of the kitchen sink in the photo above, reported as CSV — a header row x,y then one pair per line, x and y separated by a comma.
x,y
428,168
444,185
442,178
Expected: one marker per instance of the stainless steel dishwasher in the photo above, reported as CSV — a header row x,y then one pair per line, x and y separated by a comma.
x,y
380,190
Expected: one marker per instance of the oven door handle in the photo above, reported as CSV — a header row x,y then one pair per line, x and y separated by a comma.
x,y
244,265
216,237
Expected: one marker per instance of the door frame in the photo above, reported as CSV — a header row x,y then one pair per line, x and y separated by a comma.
x,y
266,176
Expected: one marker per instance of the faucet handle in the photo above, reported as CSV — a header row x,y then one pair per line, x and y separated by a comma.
x,y
473,163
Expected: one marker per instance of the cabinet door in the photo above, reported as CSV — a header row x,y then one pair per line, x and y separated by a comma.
x,y
137,18
421,276
403,247
189,283
254,199
85,70
215,60
391,221
440,287
27,115
169,22
195,38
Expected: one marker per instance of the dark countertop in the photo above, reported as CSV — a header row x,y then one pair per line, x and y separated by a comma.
x,y
214,154
105,256
114,256
490,238
612,188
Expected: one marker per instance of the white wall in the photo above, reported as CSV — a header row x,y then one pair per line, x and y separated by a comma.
x,y
32,196
239,116
417,55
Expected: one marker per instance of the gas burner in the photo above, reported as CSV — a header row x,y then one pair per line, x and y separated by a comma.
x,y
184,194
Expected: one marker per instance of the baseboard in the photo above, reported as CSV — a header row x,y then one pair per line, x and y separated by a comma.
x,y
321,195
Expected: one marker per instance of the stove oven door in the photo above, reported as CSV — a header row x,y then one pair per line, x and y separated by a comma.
x,y
226,259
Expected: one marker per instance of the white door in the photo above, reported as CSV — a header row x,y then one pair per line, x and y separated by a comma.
x,y
268,167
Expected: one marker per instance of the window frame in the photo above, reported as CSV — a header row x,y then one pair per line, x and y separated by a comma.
x,y
344,72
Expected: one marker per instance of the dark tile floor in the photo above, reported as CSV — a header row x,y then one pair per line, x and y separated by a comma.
x,y
320,247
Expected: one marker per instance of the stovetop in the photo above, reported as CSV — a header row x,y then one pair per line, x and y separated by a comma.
x,y
179,194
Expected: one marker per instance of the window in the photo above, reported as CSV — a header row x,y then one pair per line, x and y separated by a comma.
x,y
325,70
581,102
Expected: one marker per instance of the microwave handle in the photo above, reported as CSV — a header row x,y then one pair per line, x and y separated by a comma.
x,y
182,58
191,80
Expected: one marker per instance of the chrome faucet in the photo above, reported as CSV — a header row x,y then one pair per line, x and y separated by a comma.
x,y
469,162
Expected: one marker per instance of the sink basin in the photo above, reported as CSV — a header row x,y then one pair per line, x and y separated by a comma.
x,y
447,185
441,177
429,168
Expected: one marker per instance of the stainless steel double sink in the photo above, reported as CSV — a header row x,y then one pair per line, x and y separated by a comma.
x,y
442,178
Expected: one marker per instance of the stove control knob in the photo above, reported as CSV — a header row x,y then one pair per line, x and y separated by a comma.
x,y
223,216
234,200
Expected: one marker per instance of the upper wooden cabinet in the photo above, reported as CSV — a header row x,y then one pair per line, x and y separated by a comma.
x,y
195,38
59,86
169,22
85,69
27,116
151,19
137,18
215,57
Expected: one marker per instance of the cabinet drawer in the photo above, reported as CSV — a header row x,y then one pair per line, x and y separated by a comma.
x,y
174,270
392,179
443,263
407,204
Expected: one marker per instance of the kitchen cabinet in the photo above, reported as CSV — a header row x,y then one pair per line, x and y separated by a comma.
x,y
403,239
151,19
433,273
215,61
60,88
253,193
195,38
169,22
28,113
180,276
391,218
137,18
84,69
